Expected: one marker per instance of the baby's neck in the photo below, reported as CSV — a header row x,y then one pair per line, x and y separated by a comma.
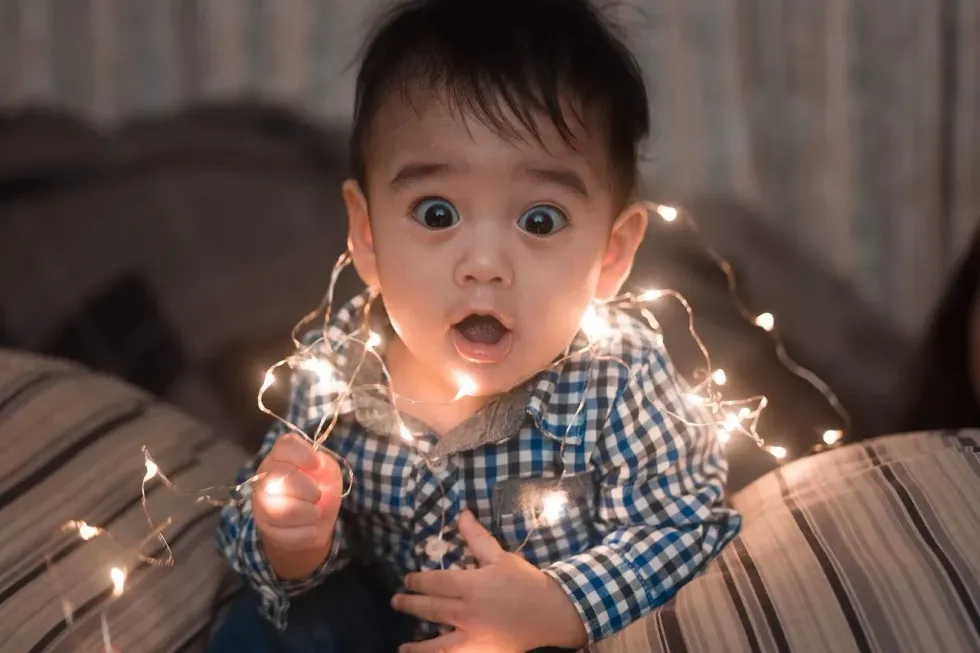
x,y
424,397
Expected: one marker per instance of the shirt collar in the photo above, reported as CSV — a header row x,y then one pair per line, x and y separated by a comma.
x,y
551,398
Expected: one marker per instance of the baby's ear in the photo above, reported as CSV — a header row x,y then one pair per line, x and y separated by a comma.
x,y
360,241
624,239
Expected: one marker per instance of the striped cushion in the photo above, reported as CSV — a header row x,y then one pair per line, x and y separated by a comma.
x,y
70,442
870,548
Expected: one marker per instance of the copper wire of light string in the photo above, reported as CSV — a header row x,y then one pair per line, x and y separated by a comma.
x,y
787,361
706,394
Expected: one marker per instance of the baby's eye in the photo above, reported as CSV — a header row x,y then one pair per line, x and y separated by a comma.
x,y
435,213
542,220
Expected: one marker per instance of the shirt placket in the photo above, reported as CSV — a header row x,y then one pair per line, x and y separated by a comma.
x,y
436,509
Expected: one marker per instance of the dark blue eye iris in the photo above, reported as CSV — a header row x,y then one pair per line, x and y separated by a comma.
x,y
435,213
542,220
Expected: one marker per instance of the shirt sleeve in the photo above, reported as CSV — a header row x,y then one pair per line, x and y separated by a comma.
x,y
660,504
239,541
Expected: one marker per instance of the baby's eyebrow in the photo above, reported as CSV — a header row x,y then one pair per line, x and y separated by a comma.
x,y
564,177
418,170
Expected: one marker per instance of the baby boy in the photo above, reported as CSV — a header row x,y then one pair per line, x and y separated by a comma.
x,y
526,483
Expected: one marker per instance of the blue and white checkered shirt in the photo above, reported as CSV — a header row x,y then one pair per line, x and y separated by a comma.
x,y
644,510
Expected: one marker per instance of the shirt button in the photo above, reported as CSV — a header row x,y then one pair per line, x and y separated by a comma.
x,y
436,548
437,465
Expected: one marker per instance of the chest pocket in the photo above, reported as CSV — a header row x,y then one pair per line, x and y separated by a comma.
x,y
544,521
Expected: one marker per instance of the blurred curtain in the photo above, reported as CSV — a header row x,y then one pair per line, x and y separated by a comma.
x,y
853,125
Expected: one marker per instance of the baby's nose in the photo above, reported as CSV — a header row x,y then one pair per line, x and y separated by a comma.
x,y
485,265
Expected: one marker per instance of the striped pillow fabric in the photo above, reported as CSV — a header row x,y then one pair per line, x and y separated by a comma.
x,y
871,548
71,443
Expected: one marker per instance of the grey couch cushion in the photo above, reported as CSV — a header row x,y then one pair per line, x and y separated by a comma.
x,y
71,443
867,548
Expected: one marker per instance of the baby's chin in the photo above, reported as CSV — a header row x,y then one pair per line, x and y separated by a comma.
x,y
498,378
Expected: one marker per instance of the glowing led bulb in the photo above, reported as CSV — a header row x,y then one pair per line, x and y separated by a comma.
x,y
320,367
765,321
270,378
724,435
467,386
778,452
732,422
373,341
719,377
694,399
151,470
668,213
118,577
275,487
552,506
593,326
87,532
650,295
405,433
832,437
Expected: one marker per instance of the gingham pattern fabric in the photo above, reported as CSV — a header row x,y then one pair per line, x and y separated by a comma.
x,y
653,518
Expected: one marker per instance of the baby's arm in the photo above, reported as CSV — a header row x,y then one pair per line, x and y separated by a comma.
x,y
239,541
660,504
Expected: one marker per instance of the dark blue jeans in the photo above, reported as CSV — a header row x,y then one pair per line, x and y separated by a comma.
x,y
348,613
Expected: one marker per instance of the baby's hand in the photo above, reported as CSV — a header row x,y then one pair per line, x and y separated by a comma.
x,y
506,605
295,505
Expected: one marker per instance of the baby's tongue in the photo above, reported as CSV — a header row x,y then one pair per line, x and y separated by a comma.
x,y
482,329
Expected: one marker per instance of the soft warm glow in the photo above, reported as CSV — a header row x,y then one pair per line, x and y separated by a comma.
x,y
552,506
373,341
405,433
719,377
765,321
778,452
744,413
724,435
323,370
151,470
118,577
732,422
650,295
270,378
275,487
668,213
86,531
832,437
694,399
467,386
593,326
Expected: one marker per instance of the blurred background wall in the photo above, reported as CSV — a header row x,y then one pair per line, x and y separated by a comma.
x,y
853,125
831,149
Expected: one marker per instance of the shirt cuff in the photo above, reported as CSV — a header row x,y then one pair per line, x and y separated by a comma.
x,y
276,592
605,589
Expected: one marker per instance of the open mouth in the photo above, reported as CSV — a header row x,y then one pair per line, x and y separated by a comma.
x,y
481,338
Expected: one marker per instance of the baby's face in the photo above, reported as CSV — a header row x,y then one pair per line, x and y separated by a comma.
x,y
486,250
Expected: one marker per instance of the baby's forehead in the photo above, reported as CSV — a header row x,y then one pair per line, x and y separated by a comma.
x,y
439,121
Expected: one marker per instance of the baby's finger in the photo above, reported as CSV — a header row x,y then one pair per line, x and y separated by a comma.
x,y
295,450
328,473
282,479
286,512
295,538
430,608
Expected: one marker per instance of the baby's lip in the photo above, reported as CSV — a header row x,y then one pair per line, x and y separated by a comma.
x,y
488,312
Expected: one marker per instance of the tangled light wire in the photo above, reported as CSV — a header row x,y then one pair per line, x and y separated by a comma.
x,y
727,416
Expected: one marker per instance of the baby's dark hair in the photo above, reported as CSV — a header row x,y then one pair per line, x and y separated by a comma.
x,y
492,58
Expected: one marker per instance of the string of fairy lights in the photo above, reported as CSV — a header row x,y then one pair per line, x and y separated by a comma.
x,y
726,416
